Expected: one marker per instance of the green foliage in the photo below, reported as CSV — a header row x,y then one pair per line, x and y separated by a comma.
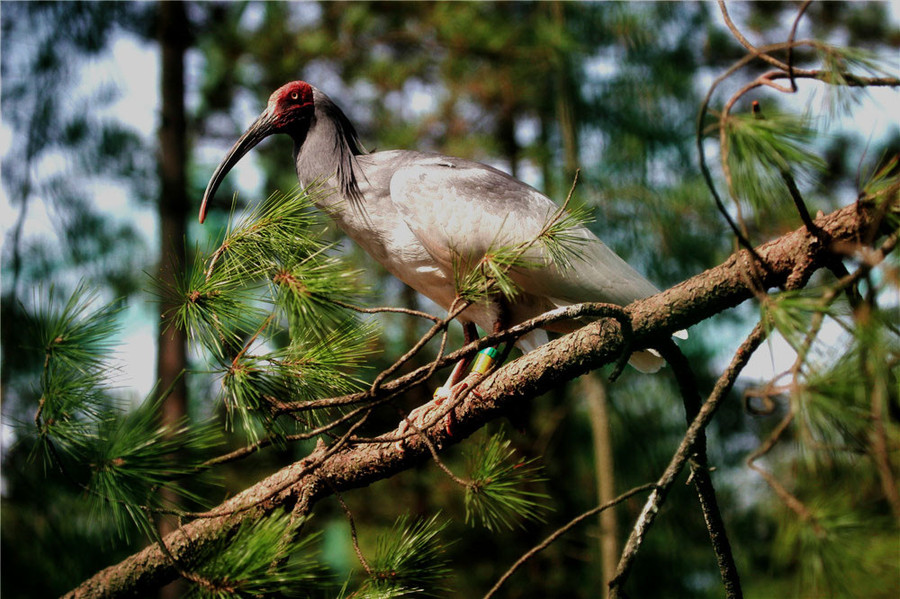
x,y
76,339
883,186
818,549
408,560
558,245
884,179
216,311
248,385
306,290
128,456
762,150
561,239
321,361
842,526
278,249
840,63
844,430
132,458
491,274
221,298
76,347
272,267
265,558
832,407
312,366
496,495
791,313
842,392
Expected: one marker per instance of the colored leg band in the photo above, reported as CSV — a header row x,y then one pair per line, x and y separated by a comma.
x,y
484,359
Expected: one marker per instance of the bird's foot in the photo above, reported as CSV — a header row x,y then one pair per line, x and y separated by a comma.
x,y
423,415
472,380
449,393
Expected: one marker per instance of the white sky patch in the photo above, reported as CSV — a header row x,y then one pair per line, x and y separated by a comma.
x,y
246,176
6,139
133,68
421,102
38,219
136,348
772,359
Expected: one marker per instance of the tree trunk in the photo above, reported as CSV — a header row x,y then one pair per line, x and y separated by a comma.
x,y
565,107
595,394
172,34
506,134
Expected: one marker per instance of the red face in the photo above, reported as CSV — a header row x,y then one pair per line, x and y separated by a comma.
x,y
285,113
289,102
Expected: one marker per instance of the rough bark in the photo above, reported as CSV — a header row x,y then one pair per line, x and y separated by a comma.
x,y
299,486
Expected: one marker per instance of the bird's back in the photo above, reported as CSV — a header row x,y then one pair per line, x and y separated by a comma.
x,y
461,210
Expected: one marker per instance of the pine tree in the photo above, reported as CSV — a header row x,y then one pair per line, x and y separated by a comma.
x,y
285,331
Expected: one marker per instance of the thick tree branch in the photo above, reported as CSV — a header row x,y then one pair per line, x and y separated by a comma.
x,y
299,486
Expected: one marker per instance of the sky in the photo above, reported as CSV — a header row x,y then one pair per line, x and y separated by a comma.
x,y
134,68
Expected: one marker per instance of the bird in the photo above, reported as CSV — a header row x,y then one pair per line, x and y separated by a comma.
x,y
425,215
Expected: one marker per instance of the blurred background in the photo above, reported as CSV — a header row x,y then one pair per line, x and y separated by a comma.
x,y
114,115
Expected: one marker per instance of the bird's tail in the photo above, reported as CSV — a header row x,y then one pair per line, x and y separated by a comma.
x,y
647,361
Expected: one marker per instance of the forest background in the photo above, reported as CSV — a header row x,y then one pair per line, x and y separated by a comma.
x,y
107,148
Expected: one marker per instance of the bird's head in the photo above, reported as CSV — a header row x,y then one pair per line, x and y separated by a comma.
x,y
289,110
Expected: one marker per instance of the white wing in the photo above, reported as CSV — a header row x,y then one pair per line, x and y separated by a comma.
x,y
453,205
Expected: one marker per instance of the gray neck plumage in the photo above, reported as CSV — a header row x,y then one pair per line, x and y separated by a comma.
x,y
329,148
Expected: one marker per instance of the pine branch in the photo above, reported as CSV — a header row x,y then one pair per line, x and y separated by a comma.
x,y
409,559
495,494
299,486
682,455
835,73
700,473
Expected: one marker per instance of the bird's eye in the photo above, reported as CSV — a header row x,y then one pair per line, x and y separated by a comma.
x,y
294,95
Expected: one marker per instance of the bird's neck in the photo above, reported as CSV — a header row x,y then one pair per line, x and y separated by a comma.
x,y
317,152
327,149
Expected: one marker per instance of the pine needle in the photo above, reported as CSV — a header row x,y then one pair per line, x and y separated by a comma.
x,y
408,560
558,244
77,346
216,311
497,497
837,64
761,149
262,559
132,456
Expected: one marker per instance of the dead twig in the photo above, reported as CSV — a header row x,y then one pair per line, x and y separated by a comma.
x,y
700,473
685,450
560,532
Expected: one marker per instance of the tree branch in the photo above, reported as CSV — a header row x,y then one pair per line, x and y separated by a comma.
x,y
700,472
299,486
682,455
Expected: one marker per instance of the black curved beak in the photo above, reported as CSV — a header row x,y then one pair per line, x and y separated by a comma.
x,y
263,127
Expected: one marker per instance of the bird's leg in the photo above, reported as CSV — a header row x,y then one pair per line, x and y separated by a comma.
x,y
470,334
484,359
457,384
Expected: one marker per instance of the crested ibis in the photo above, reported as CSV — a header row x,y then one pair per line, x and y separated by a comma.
x,y
422,214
